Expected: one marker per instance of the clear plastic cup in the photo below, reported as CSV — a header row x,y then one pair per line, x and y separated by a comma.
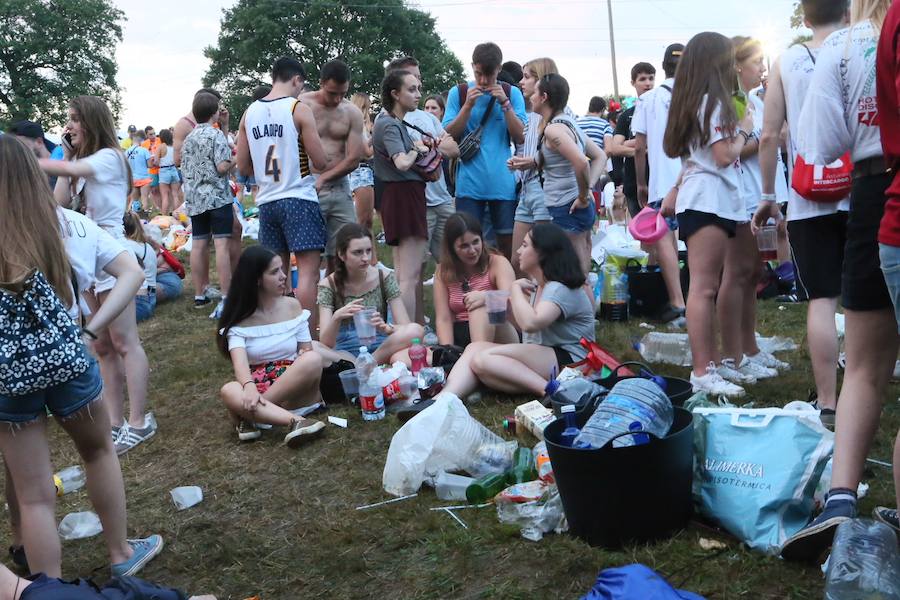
x,y
350,383
767,240
186,496
496,301
364,328
79,525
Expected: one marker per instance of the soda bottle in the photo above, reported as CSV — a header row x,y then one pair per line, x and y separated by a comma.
x,y
365,365
418,356
523,467
69,480
486,487
571,431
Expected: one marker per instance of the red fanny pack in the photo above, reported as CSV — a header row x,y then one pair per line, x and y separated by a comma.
x,y
823,183
173,263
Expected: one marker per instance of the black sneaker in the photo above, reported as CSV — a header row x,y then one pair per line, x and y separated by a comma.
x,y
17,553
812,541
670,313
201,302
882,514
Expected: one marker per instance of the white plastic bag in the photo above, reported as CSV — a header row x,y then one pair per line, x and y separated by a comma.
x,y
443,437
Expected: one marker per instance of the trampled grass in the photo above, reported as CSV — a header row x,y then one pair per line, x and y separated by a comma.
x,y
283,524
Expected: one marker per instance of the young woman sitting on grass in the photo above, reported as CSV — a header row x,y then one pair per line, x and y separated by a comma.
x,y
467,270
266,336
137,243
554,316
356,285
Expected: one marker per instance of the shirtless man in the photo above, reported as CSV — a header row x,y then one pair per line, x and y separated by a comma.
x,y
183,127
340,126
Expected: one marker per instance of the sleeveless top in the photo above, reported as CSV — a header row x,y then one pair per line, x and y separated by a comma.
x,y
280,165
480,282
169,159
560,183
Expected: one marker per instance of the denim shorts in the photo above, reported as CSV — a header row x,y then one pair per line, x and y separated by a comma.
x,y
577,222
168,286
531,203
154,180
144,306
362,177
62,400
672,222
502,213
890,266
291,225
168,175
348,341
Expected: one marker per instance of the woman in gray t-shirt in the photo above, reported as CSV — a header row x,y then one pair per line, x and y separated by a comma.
x,y
555,318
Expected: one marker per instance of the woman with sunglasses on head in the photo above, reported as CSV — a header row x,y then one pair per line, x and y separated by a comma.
x,y
468,269
95,174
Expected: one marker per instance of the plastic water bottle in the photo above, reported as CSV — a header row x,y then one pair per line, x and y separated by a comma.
x,y
571,431
577,392
614,303
69,480
431,338
864,562
365,365
631,400
418,356
371,401
669,348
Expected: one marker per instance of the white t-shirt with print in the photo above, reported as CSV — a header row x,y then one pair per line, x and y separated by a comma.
x,y
651,115
106,190
89,249
707,187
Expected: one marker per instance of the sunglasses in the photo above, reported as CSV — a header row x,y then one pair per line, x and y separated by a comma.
x,y
465,286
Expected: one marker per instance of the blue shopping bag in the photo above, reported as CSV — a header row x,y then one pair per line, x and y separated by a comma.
x,y
756,470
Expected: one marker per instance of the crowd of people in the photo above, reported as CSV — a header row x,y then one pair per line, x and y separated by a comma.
x,y
501,184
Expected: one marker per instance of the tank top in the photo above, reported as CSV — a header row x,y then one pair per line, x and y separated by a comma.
x,y
280,165
169,159
560,183
797,66
480,282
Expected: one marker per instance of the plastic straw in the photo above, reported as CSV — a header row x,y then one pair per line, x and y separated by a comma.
x,y
880,463
391,501
455,518
462,506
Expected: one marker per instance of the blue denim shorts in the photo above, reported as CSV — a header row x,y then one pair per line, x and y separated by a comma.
x,y
578,222
348,341
890,266
531,203
362,177
502,213
145,305
168,286
62,400
168,175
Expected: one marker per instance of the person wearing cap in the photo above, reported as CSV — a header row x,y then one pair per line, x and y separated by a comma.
x,y
651,114
128,141
32,135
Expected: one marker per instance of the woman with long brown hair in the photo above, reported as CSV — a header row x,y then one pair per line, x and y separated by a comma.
x,y
61,246
95,174
705,132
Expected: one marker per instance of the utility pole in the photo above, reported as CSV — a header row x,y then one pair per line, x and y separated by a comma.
x,y
612,48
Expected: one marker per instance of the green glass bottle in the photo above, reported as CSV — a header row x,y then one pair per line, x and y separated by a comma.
x,y
523,467
486,487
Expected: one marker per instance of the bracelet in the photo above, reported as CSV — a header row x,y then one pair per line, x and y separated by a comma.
x,y
744,135
89,333
506,106
243,385
767,197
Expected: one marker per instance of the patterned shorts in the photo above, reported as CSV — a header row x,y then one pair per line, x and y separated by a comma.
x,y
291,225
266,374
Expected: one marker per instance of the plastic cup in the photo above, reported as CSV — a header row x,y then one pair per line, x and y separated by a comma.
x,y
767,240
495,301
186,496
350,383
79,525
365,331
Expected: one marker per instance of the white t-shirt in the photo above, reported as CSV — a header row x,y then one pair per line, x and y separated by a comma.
x,y
145,254
651,114
840,112
796,68
106,191
751,174
89,248
436,192
267,343
707,187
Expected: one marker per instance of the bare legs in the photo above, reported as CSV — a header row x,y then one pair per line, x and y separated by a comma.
x,y
408,267
200,265
736,303
392,349
510,368
224,265
821,334
665,252
582,243
307,278
706,256
481,330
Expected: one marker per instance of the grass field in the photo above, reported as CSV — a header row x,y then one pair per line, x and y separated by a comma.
x,y
282,524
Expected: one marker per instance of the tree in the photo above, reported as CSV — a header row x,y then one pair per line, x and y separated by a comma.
x,y
54,50
797,23
256,32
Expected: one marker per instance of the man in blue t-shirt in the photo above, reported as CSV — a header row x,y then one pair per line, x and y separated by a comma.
x,y
139,161
484,183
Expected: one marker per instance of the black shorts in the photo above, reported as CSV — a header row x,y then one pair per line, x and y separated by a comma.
x,y
217,223
862,282
692,221
461,335
563,358
817,249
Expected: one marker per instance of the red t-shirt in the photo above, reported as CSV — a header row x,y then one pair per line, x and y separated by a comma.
x,y
888,82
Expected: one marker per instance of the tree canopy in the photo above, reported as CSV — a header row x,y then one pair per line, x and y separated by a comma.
x,y
53,50
364,35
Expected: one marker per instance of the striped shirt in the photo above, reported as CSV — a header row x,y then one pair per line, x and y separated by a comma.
x,y
529,148
595,128
480,282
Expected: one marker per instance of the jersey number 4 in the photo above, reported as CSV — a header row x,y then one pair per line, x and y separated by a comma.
x,y
272,164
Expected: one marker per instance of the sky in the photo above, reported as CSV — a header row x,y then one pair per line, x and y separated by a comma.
x,y
161,60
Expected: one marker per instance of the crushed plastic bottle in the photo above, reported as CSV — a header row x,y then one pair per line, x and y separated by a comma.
x,y
576,392
68,480
669,348
186,496
864,562
632,400
79,525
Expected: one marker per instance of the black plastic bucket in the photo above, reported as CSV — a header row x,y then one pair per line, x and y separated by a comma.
x,y
616,495
678,390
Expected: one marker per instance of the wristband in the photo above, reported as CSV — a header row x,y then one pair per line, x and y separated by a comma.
x,y
506,106
744,135
89,333
767,197
243,385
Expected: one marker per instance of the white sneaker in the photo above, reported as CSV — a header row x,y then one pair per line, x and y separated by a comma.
x,y
730,372
218,311
767,359
754,369
713,384
212,292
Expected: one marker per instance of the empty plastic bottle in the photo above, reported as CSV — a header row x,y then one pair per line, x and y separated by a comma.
x,y
542,462
614,303
864,562
365,364
669,348
431,338
576,392
69,480
449,486
631,400
571,431
418,356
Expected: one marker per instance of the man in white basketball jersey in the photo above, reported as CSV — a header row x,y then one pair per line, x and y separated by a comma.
x,y
277,144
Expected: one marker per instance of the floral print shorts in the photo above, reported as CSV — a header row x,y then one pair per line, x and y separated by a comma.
x,y
266,374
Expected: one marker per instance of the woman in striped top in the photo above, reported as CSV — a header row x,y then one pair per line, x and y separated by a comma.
x,y
467,270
